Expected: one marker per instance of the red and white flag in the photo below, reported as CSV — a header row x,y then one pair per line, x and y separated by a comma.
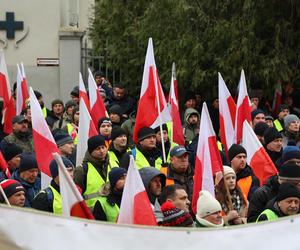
x,y
208,159
4,166
83,93
257,157
43,140
177,131
135,205
152,110
22,90
277,101
227,110
72,202
85,131
243,110
97,107
5,93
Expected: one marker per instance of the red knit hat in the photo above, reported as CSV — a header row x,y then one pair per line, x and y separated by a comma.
x,y
11,187
175,217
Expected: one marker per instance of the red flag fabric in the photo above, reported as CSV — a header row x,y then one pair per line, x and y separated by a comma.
x,y
135,205
4,166
257,157
227,110
152,97
177,131
277,101
82,92
97,107
72,201
44,143
5,93
243,109
22,92
208,159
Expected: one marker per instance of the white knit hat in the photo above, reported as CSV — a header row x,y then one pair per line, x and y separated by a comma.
x,y
228,170
207,204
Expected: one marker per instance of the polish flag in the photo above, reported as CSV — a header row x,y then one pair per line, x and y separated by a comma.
x,y
257,157
4,166
44,143
83,93
22,91
227,110
277,101
72,201
208,159
152,110
97,107
135,205
243,109
177,131
5,93
85,131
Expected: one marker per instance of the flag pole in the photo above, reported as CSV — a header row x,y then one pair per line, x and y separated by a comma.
x,y
159,117
4,196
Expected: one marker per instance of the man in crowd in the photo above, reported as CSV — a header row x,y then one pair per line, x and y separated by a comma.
x,y
282,112
273,144
14,192
259,130
191,124
20,135
167,144
12,155
55,117
49,199
115,115
257,116
105,128
65,144
93,173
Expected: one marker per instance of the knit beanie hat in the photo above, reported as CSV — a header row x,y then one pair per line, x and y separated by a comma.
x,y
145,132
271,134
61,137
289,171
256,112
287,190
283,107
234,150
269,118
228,170
56,101
28,161
290,152
116,132
94,142
289,119
54,167
75,91
10,187
260,128
175,217
207,204
164,127
11,150
70,103
115,174
115,109
103,120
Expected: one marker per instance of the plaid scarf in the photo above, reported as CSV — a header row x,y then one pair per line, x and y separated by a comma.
x,y
237,202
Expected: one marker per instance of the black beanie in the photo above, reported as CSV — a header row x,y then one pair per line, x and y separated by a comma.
x,y
28,161
94,142
54,167
70,103
61,137
11,150
10,187
115,174
234,150
115,109
256,112
116,132
271,134
283,107
260,128
164,127
145,132
103,120
37,94
289,171
287,190
75,91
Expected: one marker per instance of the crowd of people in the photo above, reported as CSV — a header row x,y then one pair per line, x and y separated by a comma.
x,y
239,196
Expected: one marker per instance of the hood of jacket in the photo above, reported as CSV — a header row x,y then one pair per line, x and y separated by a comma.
x,y
188,112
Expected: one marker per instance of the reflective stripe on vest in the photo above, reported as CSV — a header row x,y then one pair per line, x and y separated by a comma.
x,y
57,202
111,212
141,161
93,184
113,159
245,185
169,182
73,133
278,125
270,215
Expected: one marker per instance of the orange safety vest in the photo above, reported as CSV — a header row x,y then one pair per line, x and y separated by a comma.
x,y
164,170
245,185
